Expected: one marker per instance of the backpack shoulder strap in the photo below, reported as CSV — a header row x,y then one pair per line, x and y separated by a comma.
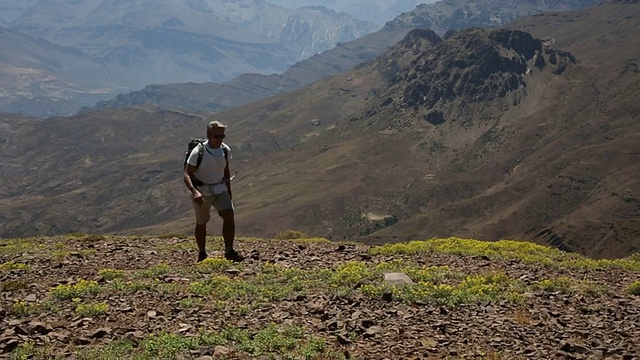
x,y
200,153
225,149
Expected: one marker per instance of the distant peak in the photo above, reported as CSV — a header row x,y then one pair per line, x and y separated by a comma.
x,y
475,64
426,34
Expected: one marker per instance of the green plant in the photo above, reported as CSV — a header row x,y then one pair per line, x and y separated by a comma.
x,y
114,350
634,288
200,288
82,288
506,249
91,309
23,308
13,285
13,266
155,271
190,302
214,265
111,274
350,273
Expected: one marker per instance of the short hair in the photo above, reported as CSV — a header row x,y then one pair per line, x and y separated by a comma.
x,y
215,124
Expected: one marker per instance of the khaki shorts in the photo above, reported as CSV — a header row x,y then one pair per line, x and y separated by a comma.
x,y
220,202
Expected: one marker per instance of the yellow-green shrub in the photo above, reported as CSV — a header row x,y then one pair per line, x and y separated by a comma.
x,y
82,288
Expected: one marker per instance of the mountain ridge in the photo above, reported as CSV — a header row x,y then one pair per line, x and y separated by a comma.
x,y
343,158
358,51
180,41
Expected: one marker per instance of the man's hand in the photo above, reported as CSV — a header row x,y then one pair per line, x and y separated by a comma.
x,y
197,196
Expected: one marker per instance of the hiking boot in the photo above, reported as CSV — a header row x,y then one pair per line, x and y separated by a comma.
x,y
233,256
202,256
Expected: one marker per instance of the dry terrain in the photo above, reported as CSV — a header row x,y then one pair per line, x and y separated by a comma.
x,y
111,297
483,134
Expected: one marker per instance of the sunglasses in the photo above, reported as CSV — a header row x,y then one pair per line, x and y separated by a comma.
x,y
218,136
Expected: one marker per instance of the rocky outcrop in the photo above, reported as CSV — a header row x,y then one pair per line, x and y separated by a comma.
x,y
477,65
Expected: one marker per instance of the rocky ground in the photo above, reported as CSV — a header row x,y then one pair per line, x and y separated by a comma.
x,y
95,297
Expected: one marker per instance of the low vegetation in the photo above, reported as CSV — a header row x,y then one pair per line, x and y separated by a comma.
x,y
117,282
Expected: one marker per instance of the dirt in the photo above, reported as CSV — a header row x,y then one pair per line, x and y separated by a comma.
x,y
547,324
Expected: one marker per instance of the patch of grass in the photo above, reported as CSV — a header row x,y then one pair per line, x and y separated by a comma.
x,y
10,265
12,247
433,274
243,310
29,350
111,274
81,289
200,288
476,288
634,288
214,265
280,342
506,249
191,302
168,288
276,282
168,346
271,341
562,285
14,285
23,308
351,273
91,309
50,307
446,288
114,350
154,271
567,285
438,283
283,282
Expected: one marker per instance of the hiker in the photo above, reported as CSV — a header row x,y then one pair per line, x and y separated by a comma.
x,y
210,185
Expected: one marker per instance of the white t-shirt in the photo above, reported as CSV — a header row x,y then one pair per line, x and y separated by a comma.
x,y
211,169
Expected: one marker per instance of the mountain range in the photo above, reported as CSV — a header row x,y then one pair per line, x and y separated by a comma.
x,y
525,132
123,46
441,17
378,11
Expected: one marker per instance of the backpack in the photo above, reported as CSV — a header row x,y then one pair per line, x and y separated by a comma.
x,y
193,143
200,144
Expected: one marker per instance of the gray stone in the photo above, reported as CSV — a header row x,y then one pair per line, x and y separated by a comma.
x,y
397,279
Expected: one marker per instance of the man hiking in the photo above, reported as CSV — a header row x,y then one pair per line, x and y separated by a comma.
x,y
209,181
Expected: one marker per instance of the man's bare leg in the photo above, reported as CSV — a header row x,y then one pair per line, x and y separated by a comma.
x,y
201,240
228,228
229,233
